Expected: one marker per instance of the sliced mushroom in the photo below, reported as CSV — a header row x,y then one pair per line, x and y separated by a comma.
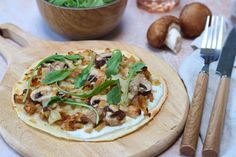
x,y
107,109
141,85
165,31
45,69
111,108
145,87
96,76
116,118
102,59
60,94
95,100
92,78
57,65
41,94
91,115
70,64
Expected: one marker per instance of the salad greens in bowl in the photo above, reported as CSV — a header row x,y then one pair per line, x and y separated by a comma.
x,y
80,3
82,19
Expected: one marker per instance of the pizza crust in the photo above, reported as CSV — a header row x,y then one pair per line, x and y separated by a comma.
x,y
35,121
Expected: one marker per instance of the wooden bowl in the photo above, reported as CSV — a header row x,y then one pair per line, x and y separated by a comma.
x,y
82,23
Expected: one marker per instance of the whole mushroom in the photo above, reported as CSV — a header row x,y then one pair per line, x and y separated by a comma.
x,y
193,18
165,31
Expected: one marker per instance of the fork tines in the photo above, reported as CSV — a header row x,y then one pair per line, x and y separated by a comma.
x,y
213,37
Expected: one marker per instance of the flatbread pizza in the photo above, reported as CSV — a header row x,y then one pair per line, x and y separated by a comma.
x,y
89,95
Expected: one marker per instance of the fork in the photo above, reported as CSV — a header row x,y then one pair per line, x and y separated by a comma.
x,y
212,42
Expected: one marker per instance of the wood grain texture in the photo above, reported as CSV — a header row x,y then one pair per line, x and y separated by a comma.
x,y
215,126
150,140
192,126
82,23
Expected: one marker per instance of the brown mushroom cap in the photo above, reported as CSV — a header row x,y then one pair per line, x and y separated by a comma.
x,y
158,30
192,19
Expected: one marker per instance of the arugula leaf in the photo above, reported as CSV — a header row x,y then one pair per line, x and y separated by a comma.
x,y
113,63
73,57
58,2
114,96
52,101
56,99
135,68
62,58
108,1
81,78
91,93
98,89
54,58
56,75
80,3
48,59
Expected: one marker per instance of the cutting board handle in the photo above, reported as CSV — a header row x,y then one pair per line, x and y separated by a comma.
x,y
15,34
13,39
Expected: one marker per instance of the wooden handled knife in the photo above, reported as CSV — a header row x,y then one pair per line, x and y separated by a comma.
x,y
224,69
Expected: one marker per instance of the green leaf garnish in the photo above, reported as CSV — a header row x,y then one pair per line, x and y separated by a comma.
x,y
114,96
56,99
58,2
80,3
135,68
113,63
73,57
56,75
52,101
91,93
81,78
48,59
108,1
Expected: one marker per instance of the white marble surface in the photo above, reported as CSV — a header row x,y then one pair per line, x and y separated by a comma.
x,y
132,29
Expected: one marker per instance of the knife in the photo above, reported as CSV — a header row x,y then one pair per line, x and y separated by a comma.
x,y
224,69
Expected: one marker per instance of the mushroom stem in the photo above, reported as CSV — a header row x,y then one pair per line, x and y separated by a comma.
x,y
174,38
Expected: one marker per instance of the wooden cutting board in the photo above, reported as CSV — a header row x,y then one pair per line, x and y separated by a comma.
x,y
21,50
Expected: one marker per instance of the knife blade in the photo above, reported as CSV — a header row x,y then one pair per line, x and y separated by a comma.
x,y
226,62
224,69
